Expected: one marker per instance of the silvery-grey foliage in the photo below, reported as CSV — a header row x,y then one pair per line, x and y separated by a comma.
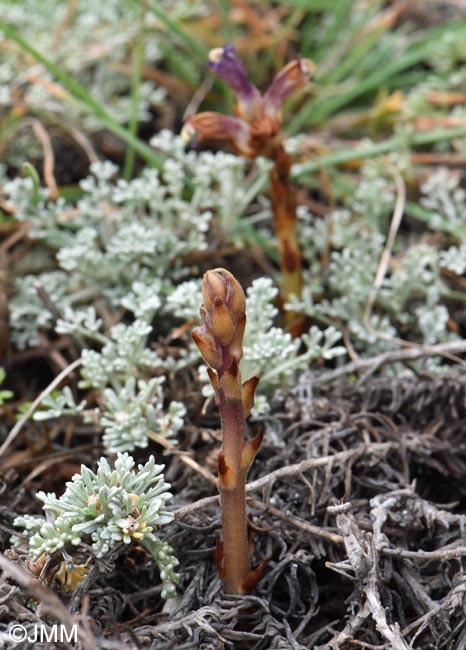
x,y
112,505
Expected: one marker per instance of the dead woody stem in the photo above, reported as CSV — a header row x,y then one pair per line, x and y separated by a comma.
x,y
219,340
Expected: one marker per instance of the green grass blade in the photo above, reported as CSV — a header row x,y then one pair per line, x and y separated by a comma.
x,y
318,109
136,78
194,45
332,31
227,26
86,100
315,5
373,149
422,214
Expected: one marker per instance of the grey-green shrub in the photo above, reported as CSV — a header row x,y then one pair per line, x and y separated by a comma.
x,y
110,506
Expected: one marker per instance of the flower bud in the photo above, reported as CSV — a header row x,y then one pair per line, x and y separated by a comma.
x,y
224,62
286,83
220,283
222,322
236,344
207,345
213,286
224,317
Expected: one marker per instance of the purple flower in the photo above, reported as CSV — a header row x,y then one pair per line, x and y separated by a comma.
x,y
224,62
257,127
290,79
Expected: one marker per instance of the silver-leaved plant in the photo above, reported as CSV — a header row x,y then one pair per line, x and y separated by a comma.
x,y
107,507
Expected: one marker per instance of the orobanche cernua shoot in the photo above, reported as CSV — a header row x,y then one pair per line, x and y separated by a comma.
x,y
220,341
255,130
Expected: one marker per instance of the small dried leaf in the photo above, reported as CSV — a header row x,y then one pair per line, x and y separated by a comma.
x,y
250,450
249,388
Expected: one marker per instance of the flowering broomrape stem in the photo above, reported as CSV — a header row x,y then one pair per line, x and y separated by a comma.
x,y
256,131
219,340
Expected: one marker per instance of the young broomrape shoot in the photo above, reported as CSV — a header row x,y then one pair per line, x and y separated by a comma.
x,y
110,506
268,351
257,132
219,340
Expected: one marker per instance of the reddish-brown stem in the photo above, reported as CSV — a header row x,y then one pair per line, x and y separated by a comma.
x,y
231,484
232,417
283,200
220,341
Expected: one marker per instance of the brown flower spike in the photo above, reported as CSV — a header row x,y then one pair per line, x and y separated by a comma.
x,y
220,339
